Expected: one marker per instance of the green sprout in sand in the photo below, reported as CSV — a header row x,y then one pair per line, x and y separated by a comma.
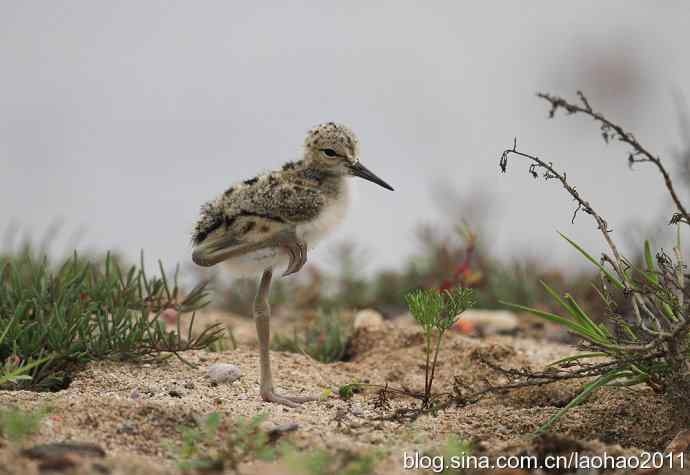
x,y
436,312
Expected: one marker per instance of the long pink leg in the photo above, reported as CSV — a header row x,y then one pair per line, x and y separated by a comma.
x,y
262,315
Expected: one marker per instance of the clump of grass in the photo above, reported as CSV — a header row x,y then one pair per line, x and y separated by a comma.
x,y
346,391
215,446
16,425
53,317
13,369
436,312
191,453
325,340
246,440
202,448
649,342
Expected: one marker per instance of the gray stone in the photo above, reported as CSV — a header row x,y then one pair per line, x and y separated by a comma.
x,y
224,373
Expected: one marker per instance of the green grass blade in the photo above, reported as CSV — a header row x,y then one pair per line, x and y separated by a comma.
x,y
22,370
584,319
573,326
556,296
164,279
578,357
666,308
7,328
650,262
632,381
598,383
603,269
651,277
570,305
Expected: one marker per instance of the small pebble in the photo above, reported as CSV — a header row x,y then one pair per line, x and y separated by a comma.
x,y
224,373
189,385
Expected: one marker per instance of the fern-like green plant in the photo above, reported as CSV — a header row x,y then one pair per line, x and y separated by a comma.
x,y
436,312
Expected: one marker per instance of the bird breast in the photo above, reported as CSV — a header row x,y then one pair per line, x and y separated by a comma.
x,y
328,219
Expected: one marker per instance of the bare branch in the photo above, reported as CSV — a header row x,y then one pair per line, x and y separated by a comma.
x,y
551,173
611,131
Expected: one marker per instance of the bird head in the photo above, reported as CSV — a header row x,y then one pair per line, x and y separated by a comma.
x,y
334,149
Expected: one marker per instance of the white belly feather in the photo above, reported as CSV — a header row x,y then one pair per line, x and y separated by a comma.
x,y
310,232
256,262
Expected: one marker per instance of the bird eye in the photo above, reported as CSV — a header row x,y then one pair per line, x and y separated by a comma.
x,y
329,152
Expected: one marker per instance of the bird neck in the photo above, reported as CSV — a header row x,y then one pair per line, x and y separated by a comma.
x,y
324,178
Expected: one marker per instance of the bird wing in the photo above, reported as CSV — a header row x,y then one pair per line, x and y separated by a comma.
x,y
292,202
257,214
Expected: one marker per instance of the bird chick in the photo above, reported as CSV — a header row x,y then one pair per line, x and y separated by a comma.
x,y
252,225
271,220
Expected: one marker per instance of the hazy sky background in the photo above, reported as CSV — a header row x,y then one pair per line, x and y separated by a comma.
x,y
122,118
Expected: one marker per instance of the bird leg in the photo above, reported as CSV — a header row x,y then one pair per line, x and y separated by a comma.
x,y
262,315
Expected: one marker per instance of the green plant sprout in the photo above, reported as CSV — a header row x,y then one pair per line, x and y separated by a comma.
x,y
436,312
346,391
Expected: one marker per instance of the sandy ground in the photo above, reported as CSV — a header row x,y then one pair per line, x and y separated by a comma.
x,y
131,410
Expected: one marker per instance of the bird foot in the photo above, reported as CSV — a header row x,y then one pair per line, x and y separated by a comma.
x,y
290,401
297,250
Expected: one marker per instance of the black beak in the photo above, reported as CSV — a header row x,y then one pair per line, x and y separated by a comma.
x,y
363,172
